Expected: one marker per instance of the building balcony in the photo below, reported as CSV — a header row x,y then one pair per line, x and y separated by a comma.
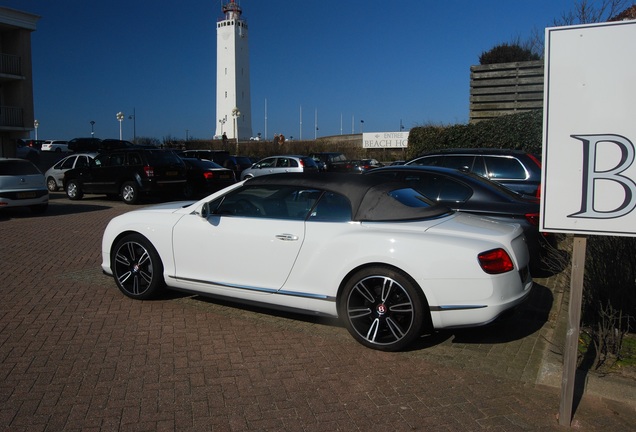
x,y
11,117
10,67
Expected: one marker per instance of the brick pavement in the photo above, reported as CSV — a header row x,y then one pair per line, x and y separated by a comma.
x,y
76,355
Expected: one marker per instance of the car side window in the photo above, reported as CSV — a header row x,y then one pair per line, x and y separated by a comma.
x,y
68,163
82,161
134,159
331,207
505,168
460,162
267,202
429,161
267,163
282,163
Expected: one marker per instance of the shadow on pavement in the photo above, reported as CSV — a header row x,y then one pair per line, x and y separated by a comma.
x,y
517,324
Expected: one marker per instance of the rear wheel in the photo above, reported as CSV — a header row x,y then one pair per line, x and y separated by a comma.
x,y
73,190
382,308
137,268
130,193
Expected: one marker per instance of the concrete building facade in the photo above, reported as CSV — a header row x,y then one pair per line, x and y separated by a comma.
x,y
16,78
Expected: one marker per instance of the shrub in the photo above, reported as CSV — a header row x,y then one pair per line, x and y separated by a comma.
x,y
506,53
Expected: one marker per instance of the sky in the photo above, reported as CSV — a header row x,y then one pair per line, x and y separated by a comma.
x,y
348,66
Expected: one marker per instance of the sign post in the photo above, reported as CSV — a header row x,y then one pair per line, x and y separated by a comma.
x,y
589,155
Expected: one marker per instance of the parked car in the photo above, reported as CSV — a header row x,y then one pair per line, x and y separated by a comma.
x,y
22,185
36,144
114,144
326,161
129,174
85,145
55,146
406,266
55,175
23,151
218,156
205,177
515,169
474,194
238,164
355,166
280,164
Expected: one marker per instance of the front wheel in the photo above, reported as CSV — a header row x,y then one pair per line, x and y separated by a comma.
x,y
137,268
382,308
51,184
130,192
73,190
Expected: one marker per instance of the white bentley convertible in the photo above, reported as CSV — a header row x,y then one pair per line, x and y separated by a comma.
x,y
386,260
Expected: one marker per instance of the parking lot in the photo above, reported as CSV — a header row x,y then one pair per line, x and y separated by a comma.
x,y
75,354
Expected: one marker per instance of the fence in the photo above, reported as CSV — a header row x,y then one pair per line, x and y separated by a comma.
x,y
505,88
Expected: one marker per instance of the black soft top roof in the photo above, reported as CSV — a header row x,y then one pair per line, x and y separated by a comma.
x,y
368,195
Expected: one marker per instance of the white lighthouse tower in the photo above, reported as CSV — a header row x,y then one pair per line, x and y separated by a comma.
x,y
233,102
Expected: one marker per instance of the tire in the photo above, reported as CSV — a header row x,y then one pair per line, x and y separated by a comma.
x,y
383,308
130,192
137,268
73,190
51,184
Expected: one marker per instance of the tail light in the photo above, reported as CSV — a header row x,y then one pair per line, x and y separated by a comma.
x,y
208,175
538,195
495,261
533,218
301,163
150,171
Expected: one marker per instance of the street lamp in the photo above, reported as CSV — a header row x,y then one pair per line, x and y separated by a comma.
x,y
361,126
235,115
120,118
92,128
35,125
222,122
133,117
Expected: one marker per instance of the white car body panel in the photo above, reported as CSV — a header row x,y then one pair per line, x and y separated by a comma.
x,y
306,269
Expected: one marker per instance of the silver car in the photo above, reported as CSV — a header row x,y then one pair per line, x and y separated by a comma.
x,y
22,185
280,164
55,175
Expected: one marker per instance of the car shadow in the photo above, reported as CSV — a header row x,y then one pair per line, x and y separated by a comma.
x,y
523,321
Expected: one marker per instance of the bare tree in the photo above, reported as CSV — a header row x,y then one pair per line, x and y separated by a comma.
x,y
590,11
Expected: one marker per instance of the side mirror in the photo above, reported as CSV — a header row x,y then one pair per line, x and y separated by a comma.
x,y
205,210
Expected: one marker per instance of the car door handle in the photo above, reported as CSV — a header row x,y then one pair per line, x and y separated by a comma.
x,y
287,237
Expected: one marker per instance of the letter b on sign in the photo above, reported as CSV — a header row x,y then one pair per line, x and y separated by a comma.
x,y
591,176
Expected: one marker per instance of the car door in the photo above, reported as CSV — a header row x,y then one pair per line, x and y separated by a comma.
x,y
249,242
103,178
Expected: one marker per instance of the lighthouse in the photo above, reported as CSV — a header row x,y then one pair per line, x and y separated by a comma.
x,y
233,102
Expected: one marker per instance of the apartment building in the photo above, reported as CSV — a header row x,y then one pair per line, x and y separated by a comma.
x,y
16,78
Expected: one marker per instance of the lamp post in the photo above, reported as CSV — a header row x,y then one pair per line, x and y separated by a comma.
x,y
361,126
35,125
133,117
235,115
120,118
222,122
92,128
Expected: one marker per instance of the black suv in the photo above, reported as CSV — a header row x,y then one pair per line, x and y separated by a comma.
x,y
515,169
85,145
128,173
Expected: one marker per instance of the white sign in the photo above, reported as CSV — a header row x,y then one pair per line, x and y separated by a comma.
x,y
385,140
589,131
